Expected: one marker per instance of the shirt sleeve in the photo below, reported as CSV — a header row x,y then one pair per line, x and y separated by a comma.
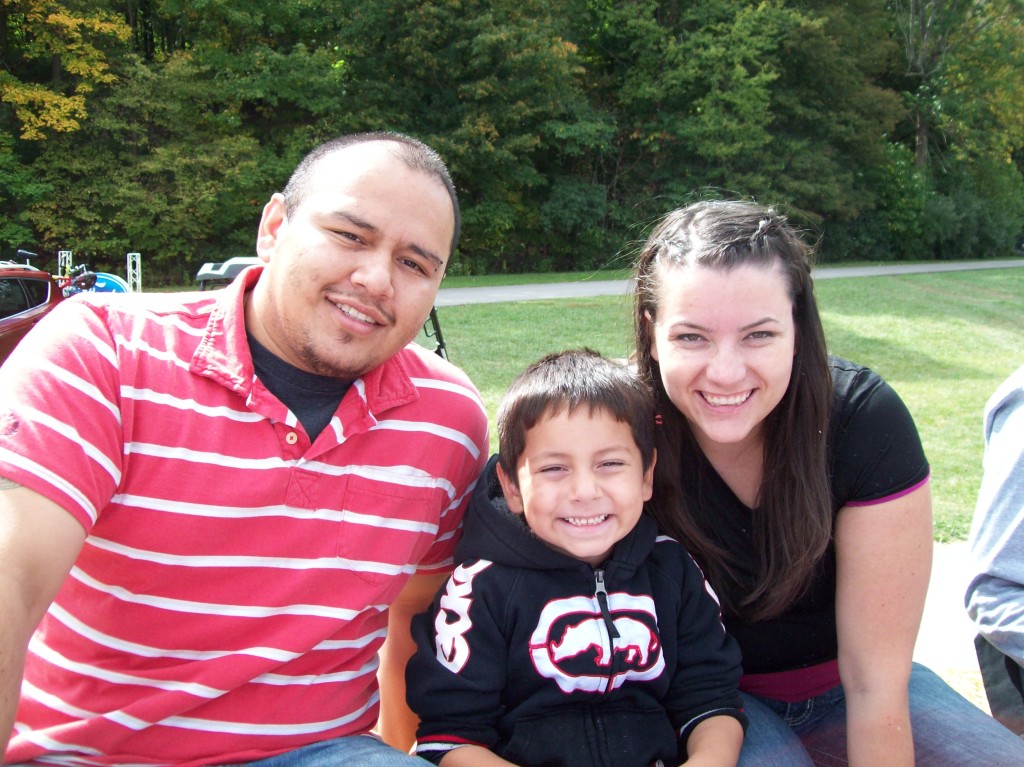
x,y
455,679
875,449
60,420
706,680
459,412
995,596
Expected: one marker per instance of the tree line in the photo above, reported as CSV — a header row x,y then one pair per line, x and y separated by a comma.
x,y
887,130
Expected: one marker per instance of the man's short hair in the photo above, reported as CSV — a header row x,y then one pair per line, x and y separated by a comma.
x,y
413,152
569,380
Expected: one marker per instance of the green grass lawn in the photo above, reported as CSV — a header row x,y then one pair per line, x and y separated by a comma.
x,y
943,341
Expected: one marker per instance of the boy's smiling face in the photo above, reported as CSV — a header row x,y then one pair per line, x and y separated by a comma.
x,y
582,484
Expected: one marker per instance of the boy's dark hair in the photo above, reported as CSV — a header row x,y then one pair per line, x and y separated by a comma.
x,y
568,380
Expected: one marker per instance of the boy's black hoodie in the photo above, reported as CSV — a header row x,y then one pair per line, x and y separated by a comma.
x,y
548,661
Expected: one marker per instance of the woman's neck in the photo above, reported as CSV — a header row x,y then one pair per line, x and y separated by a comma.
x,y
739,464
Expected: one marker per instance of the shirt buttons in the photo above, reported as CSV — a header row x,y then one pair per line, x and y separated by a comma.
x,y
291,438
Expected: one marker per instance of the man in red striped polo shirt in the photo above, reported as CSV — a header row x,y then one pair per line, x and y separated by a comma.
x,y
215,506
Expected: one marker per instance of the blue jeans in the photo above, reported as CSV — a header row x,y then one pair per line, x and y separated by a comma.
x,y
357,750
949,730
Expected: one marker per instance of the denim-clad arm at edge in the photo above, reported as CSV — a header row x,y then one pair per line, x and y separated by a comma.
x,y
995,597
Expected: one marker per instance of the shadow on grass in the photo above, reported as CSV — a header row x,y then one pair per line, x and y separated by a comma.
x,y
897,360
962,326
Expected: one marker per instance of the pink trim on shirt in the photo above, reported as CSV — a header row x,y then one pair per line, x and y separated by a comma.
x,y
893,497
794,685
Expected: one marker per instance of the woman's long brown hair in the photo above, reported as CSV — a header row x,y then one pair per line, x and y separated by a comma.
x,y
793,512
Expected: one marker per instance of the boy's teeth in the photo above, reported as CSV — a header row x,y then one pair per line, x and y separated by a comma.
x,y
586,521
355,315
735,399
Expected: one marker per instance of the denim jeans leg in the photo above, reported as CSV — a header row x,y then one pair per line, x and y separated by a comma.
x,y
950,731
1002,678
823,729
770,741
362,750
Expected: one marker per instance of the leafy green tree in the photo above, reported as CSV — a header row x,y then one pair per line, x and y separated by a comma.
x,y
180,156
498,88
160,126
982,91
725,98
933,33
832,111
19,188
53,55
963,86
148,179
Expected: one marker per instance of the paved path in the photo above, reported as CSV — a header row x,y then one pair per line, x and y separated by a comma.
x,y
584,288
946,640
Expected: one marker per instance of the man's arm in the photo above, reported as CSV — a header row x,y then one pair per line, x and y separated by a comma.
x,y
397,722
39,542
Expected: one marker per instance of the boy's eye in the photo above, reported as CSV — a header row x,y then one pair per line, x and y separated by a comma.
x,y
551,469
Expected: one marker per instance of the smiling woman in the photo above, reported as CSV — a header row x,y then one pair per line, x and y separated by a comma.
x,y
725,342
800,484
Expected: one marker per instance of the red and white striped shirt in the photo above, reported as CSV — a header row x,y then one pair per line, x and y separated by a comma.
x,y
232,592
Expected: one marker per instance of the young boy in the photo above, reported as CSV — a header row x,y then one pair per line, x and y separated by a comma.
x,y
572,633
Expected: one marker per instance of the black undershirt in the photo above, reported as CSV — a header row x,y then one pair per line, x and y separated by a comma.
x,y
313,398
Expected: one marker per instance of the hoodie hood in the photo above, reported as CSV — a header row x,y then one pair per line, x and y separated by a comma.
x,y
492,532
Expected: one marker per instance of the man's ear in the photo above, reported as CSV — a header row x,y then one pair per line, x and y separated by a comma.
x,y
274,216
513,497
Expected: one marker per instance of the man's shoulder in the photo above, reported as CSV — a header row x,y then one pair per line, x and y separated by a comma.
x,y
418,385
429,373
134,307
196,303
422,364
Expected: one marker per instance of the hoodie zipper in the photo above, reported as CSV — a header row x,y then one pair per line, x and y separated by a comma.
x,y
602,600
613,633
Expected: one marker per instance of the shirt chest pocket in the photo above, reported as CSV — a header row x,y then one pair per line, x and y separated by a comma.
x,y
386,528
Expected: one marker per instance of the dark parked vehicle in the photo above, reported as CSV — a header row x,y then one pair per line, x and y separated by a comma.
x,y
217,275
26,296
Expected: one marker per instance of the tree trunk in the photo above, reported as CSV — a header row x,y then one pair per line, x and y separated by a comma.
x,y
921,136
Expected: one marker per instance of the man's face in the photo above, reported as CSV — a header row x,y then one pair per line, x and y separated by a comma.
x,y
352,274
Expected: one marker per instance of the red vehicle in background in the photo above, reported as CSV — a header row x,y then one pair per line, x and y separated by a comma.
x,y
27,295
